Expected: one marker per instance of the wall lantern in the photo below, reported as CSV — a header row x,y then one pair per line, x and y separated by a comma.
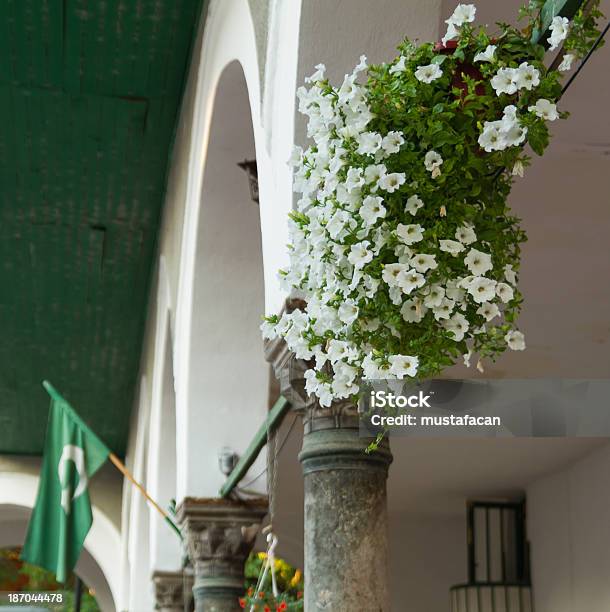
x,y
498,561
251,170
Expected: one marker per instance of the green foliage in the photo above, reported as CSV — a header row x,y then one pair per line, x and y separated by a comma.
x,y
18,576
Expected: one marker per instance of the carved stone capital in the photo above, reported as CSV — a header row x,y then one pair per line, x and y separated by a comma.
x,y
172,590
219,534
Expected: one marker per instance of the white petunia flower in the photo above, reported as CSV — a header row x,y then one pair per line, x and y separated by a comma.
x,y
515,340
370,367
451,246
325,394
268,330
392,272
528,77
392,142
454,292
391,182
433,162
482,289
348,312
296,156
560,26
492,138
399,66
343,388
311,381
466,357
504,292
428,73
451,33
477,262
414,203
518,169
486,56
488,310
368,143
337,349
372,209
434,297
354,179
403,365
410,234
545,110
413,311
508,132
444,309
509,274
408,281
360,254
465,234
373,173
505,81
566,62
457,325
463,13
318,75
423,262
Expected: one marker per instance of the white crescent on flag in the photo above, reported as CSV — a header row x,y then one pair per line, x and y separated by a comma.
x,y
77,456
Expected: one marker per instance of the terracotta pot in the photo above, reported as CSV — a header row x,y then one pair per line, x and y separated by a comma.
x,y
462,68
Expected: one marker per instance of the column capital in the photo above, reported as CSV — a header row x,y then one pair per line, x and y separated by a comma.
x,y
220,534
290,371
172,590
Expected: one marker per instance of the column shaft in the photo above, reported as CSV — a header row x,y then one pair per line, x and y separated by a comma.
x,y
346,528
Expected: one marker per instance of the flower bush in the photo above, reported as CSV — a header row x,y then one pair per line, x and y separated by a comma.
x,y
402,242
289,582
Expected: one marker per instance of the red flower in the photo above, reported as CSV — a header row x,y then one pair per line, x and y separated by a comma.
x,y
283,606
242,602
267,609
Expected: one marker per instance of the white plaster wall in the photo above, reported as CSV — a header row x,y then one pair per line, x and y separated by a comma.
x,y
98,566
427,557
569,530
203,424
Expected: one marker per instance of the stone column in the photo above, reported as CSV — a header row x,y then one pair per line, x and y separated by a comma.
x,y
346,528
172,591
219,535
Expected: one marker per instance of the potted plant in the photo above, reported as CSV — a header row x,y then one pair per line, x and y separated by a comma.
x,y
402,242
289,582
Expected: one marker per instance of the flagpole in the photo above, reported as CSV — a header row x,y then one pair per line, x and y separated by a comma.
x,y
123,469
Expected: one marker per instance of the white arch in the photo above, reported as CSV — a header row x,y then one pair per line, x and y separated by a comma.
x,y
161,470
103,543
229,37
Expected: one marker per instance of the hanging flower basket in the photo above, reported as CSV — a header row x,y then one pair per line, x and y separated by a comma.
x,y
403,245
289,582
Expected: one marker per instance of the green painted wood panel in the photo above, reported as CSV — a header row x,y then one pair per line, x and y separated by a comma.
x,y
89,96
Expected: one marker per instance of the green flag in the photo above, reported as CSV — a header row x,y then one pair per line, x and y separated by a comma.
x,y
62,515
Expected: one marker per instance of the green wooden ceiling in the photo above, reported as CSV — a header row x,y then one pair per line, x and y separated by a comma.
x,y
89,98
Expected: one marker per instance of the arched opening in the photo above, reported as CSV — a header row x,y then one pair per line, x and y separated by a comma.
x,y
95,564
18,576
227,374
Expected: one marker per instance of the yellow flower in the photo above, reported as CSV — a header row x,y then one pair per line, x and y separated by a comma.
x,y
296,578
